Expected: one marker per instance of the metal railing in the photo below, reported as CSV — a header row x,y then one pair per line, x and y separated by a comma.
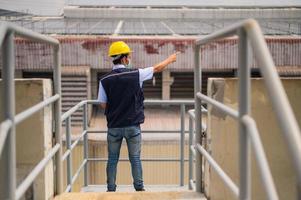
x,y
10,190
247,31
84,136
7,127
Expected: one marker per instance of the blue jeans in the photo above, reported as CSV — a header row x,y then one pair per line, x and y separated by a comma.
x,y
132,134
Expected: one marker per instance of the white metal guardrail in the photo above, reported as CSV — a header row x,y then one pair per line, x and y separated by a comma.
x,y
10,190
84,136
247,31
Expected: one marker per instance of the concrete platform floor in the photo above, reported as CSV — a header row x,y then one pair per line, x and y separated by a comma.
x,y
127,193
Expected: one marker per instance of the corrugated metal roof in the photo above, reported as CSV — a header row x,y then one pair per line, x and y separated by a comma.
x,y
92,51
177,3
137,26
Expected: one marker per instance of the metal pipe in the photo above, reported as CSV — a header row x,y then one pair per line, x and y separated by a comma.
x,y
198,118
225,109
244,109
225,32
191,114
68,188
169,102
8,159
7,124
190,165
85,127
192,185
4,128
36,171
57,117
66,154
192,149
262,163
182,144
278,97
34,36
9,27
146,102
72,110
84,163
69,157
225,178
78,139
144,131
142,159
32,110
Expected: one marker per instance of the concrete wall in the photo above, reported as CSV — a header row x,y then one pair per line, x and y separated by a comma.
x,y
34,135
222,139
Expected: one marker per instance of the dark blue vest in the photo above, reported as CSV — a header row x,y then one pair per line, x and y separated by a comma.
x,y
124,98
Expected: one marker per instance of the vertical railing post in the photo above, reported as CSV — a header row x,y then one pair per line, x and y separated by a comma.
x,y
8,158
244,109
190,167
69,157
57,118
182,144
85,127
198,119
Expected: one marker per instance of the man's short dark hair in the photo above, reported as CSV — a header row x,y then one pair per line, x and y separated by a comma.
x,y
118,60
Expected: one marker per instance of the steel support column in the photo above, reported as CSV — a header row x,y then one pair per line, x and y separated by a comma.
x,y
85,127
182,144
198,118
57,118
244,109
8,158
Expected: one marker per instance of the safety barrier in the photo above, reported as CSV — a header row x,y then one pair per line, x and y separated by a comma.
x,y
247,31
84,136
7,127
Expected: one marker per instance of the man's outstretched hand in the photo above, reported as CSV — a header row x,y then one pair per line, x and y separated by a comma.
x,y
173,57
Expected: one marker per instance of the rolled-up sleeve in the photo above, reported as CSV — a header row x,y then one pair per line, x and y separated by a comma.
x,y
102,96
145,74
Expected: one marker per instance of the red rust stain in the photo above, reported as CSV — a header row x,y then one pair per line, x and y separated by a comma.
x,y
180,46
150,49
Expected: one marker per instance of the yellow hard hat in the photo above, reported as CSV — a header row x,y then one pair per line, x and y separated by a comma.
x,y
118,48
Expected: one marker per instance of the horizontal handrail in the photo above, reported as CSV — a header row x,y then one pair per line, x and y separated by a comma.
x,y
7,33
142,159
35,172
225,109
34,36
276,92
169,102
146,102
32,110
7,124
143,131
84,103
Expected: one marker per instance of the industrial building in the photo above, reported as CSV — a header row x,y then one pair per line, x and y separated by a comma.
x,y
85,30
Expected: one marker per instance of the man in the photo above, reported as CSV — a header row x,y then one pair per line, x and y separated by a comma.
x,y
121,95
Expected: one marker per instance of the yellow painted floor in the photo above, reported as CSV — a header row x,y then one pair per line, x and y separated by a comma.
x,y
131,196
